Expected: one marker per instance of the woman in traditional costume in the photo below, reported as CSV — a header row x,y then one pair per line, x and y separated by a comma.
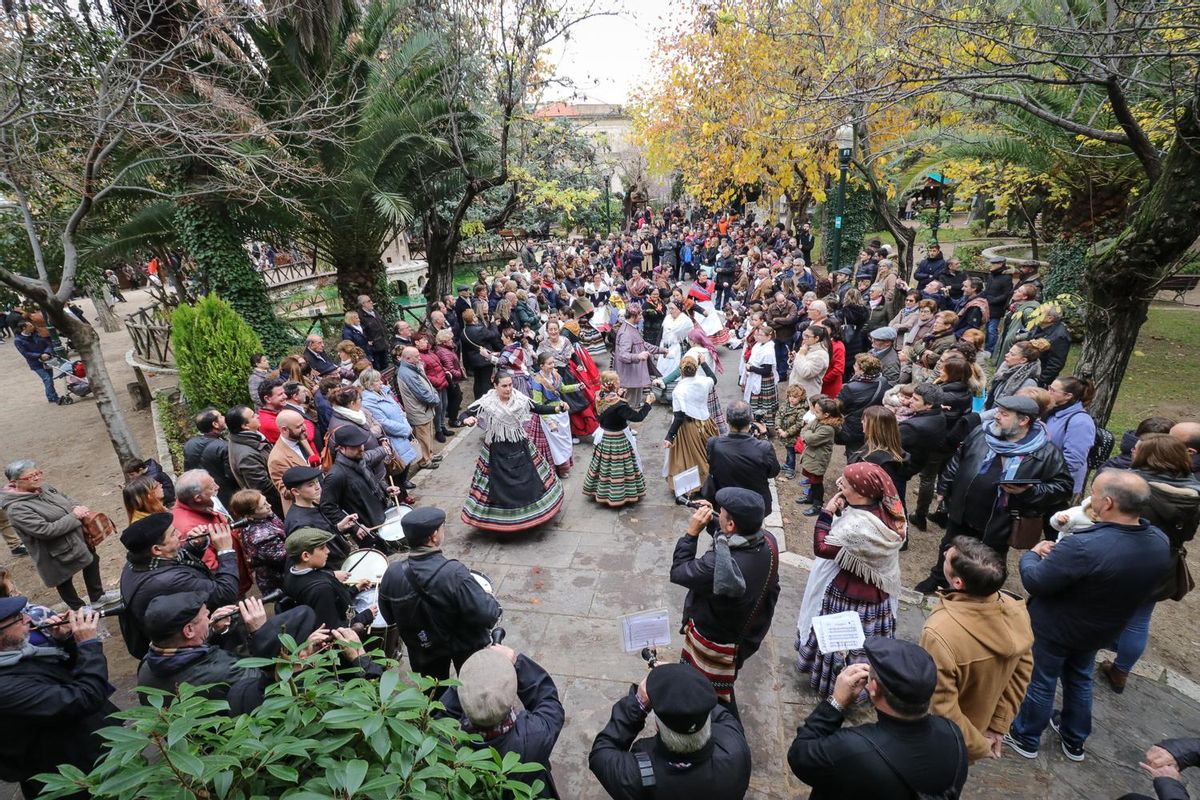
x,y
692,425
549,389
513,488
614,476
857,542
759,388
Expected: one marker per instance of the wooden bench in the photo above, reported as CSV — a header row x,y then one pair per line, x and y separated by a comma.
x,y
1179,285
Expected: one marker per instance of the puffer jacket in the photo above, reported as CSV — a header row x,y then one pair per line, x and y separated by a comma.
x,y
434,370
46,526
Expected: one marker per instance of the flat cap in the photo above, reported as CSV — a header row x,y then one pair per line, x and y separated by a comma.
x,y
305,540
488,688
682,698
464,288
298,476
997,260
147,531
744,505
168,613
904,668
842,271
885,334
350,436
11,606
1020,404
421,523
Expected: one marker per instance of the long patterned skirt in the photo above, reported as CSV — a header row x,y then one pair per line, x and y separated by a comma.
x,y
823,668
689,450
536,434
613,477
716,413
513,489
765,404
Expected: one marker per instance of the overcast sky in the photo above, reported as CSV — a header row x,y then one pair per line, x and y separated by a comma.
x,y
607,57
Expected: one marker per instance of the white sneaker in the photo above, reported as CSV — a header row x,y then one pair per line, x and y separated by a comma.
x,y
574,440
111,596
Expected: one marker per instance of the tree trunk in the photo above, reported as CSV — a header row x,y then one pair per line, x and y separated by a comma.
x,y
357,273
441,268
208,235
102,300
86,341
1123,279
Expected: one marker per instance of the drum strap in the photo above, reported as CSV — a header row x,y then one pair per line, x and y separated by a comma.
x,y
429,620
645,772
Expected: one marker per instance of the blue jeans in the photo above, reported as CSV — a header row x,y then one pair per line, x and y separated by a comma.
x,y
1132,642
993,333
781,362
47,383
789,462
1051,663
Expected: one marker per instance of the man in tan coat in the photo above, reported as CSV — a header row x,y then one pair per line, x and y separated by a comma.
x,y
981,641
291,449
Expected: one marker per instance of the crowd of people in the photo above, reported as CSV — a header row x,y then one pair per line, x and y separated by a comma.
x,y
950,381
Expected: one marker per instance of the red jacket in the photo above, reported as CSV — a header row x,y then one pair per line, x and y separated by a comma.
x,y
434,370
450,363
831,385
268,427
187,517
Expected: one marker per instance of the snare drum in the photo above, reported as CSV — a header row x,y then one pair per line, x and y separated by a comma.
x,y
365,564
483,581
392,530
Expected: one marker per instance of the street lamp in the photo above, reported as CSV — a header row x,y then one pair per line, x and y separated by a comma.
x,y
845,142
607,210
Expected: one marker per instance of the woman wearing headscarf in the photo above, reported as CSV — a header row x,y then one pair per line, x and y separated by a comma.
x,y
759,388
614,476
705,354
856,542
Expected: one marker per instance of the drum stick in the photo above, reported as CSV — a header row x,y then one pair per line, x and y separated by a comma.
x,y
356,563
395,497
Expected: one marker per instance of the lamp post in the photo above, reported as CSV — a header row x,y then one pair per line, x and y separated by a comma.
x,y
938,184
845,142
607,210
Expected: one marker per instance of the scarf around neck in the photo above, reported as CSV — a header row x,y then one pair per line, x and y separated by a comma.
x,y
869,548
28,650
1008,380
503,422
1012,453
349,413
727,576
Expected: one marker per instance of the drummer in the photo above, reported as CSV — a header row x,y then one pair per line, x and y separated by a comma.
x,y
351,488
442,612
309,581
303,486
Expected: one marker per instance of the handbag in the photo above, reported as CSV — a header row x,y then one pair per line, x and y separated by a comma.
x,y
96,528
1178,580
1025,532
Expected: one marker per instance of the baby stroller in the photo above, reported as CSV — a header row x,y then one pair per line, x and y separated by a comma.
x,y
76,377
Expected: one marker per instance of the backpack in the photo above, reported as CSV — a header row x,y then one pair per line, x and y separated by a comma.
x,y
1102,448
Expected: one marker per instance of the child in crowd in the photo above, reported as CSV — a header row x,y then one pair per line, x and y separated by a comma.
x,y
816,447
789,421
896,400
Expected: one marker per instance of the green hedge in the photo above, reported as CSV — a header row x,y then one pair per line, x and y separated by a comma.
x,y
213,346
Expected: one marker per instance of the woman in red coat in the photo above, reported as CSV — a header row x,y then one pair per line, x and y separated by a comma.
x,y
455,374
832,382
438,379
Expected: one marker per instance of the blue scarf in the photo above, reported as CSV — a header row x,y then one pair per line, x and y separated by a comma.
x,y
1012,453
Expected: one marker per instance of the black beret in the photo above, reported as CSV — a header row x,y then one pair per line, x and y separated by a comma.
x,y
421,523
904,668
146,532
298,476
682,698
168,613
744,505
350,436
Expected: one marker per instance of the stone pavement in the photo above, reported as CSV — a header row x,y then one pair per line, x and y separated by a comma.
x,y
564,586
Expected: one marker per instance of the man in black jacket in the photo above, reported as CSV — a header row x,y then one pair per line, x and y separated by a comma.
x,y
700,749
906,753
351,487
513,703
310,580
157,565
980,500
314,355
1164,762
724,274
733,588
998,292
739,459
932,267
443,614
303,484
211,426
53,700
376,332
807,241
923,437
1052,329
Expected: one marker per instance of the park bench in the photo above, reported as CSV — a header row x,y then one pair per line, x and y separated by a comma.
x,y
1180,285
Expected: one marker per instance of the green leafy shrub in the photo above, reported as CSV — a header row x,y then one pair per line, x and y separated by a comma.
x,y
1064,280
213,346
319,734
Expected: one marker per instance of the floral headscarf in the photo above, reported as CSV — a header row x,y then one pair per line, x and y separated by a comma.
x,y
607,397
871,480
699,337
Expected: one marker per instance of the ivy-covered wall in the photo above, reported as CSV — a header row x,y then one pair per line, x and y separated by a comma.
x,y
857,220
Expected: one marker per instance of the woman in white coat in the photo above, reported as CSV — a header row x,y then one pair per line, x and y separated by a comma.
x,y
811,360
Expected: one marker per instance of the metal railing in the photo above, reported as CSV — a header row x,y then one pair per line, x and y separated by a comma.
x,y
150,329
294,272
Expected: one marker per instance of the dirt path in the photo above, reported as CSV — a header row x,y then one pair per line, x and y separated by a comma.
x,y
72,446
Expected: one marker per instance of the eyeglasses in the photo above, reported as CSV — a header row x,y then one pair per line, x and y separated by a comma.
x,y
17,619
37,473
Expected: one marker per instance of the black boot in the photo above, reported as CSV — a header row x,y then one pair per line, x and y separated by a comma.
x,y
816,496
